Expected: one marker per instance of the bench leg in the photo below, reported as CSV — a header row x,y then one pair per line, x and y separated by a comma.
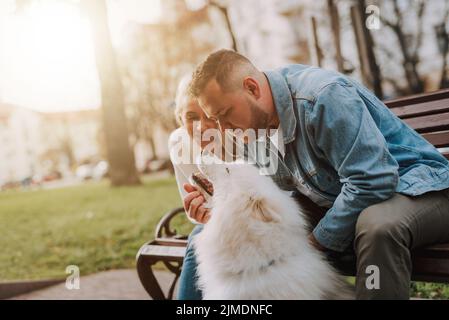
x,y
174,268
172,287
147,278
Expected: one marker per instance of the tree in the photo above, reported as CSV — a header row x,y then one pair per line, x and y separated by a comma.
x,y
225,11
365,46
335,23
153,60
120,156
443,46
409,43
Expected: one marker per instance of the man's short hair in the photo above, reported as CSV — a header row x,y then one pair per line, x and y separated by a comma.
x,y
219,66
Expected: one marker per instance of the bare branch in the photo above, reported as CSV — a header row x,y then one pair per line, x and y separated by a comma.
x,y
420,34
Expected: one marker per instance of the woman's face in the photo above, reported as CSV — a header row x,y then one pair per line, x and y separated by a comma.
x,y
193,114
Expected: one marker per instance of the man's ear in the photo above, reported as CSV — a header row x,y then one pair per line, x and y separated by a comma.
x,y
260,210
252,87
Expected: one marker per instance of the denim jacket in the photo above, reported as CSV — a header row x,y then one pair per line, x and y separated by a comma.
x,y
346,146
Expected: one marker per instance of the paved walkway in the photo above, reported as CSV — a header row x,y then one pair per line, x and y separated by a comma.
x,y
109,285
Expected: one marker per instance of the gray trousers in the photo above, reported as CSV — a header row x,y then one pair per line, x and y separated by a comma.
x,y
386,232
384,235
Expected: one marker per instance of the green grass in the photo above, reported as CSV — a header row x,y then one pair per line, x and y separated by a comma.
x,y
430,290
93,226
423,290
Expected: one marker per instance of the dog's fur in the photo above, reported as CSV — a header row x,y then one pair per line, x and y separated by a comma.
x,y
255,244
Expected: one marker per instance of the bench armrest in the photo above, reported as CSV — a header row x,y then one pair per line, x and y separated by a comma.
x,y
164,229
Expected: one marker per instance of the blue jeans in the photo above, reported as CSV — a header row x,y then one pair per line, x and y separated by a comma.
x,y
188,289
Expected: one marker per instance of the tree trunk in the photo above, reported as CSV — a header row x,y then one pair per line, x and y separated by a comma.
x,y
411,57
335,25
318,53
122,169
369,68
229,26
153,148
444,82
224,10
442,38
376,76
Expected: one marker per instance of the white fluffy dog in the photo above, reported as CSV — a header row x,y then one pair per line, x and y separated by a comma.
x,y
255,244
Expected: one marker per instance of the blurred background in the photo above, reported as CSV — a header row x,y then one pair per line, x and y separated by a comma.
x,y
87,98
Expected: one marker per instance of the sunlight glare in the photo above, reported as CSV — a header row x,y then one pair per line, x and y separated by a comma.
x,y
50,61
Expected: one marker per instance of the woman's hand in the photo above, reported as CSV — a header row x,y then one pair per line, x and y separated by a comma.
x,y
194,204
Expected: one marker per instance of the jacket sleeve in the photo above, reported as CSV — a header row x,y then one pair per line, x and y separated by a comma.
x,y
346,134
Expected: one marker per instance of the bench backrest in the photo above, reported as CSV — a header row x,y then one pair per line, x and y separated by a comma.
x,y
428,114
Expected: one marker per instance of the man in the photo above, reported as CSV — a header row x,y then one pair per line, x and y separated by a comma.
x,y
386,188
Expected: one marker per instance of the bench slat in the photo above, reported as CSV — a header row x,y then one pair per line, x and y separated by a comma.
x,y
163,252
422,109
437,251
419,98
431,267
438,139
432,123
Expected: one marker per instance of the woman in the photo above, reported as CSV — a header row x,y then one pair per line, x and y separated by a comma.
x,y
188,114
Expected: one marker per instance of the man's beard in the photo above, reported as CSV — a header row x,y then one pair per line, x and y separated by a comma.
x,y
259,118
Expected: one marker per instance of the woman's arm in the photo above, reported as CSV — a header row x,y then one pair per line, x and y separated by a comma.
x,y
182,170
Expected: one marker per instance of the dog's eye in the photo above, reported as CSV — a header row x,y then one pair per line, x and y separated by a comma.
x,y
227,170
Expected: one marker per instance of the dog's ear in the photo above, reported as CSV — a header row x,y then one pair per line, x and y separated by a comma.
x,y
260,210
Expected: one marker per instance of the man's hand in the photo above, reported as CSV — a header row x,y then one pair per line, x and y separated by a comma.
x,y
194,204
315,243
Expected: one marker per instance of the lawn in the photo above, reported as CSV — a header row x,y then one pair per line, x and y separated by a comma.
x,y
93,226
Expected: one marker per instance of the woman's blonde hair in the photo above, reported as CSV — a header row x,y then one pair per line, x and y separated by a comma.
x,y
182,97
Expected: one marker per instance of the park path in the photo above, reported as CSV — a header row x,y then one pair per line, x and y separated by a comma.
x,y
108,285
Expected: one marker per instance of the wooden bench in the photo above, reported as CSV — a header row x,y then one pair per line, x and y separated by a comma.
x,y
169,248
427,113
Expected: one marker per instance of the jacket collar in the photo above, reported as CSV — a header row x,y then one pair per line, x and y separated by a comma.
x,y
284,104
